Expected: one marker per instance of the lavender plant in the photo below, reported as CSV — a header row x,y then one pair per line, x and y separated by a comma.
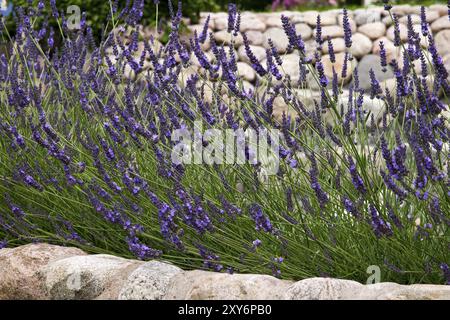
x,y
85,154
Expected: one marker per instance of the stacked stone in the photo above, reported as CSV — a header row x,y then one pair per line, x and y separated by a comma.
x,y
43,271
369,27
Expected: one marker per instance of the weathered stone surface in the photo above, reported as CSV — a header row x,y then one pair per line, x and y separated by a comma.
x,y
198,285
361,45
331,31
338,66
414,18
274,22
221,23
255,38
259,52
401,10
362,16
338,45
442,40
394,291
252,23
149,281
403,32
373,30
87,277
440,24
304,30
20,267
225,37
440,8
245,71
326,18
290,66
279,38
368,62
321,289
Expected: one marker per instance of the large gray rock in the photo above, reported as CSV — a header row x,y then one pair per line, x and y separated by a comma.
x,y
361,45
223,37
338,66
326,18
259,52
20,269
331,31
442,40
201,285
87,277
337,289
368,62
362,16
304,30
440,24
245,71
440,8
279,39
289,67
394,291
220,23
252,23
321,289
338,45
373,30
274,22
149,282
255,38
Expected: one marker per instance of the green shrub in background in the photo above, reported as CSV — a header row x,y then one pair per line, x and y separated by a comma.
x,y
98,10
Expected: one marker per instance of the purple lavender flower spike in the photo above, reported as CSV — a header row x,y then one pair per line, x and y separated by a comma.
x,y
357,181
446,272
315,185
397,40
350,207
331,50
380,227
347,29
232,11
318,32
204,34
261,221
320,70
253,60
383,60
295,41
423,21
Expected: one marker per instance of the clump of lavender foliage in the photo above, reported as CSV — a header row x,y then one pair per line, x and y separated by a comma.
x,y
85,155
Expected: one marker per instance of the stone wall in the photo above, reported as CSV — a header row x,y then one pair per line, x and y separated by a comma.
x,y
43,271
369,27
